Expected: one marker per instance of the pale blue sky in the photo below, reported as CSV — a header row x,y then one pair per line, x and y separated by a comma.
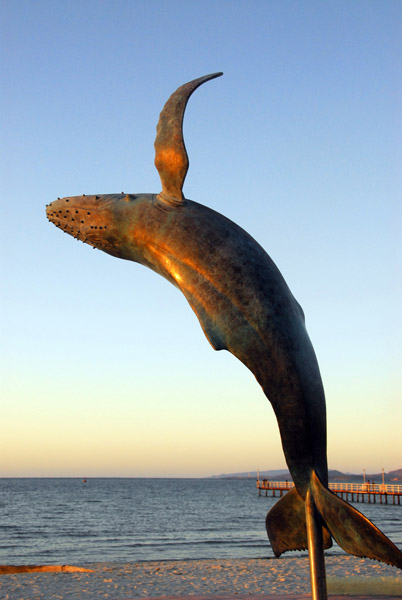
x,y
105,370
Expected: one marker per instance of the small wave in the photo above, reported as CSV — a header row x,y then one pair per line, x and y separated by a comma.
x,y
79,534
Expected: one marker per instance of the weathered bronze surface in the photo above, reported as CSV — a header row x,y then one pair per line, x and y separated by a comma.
x,y
245,306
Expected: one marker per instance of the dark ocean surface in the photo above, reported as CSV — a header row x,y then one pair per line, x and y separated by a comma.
x,y
67,521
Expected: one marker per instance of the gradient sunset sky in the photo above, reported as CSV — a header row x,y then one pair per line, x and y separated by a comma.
x,y
105,370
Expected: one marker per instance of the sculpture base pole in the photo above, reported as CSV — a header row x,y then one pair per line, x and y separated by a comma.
x,y
315,551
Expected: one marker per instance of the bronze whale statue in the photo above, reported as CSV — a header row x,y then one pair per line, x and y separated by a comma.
x,y
245,306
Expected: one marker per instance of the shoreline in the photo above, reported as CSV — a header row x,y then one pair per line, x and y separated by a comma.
x,y
200,578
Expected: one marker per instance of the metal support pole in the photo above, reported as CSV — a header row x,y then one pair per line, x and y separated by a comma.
x,y
315,550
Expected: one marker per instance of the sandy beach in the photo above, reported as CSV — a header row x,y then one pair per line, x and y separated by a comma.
x,y
203,578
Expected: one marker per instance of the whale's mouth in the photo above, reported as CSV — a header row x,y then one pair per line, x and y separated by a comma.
x,y
81,218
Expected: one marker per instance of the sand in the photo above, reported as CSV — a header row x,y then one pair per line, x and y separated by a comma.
x,y
203,579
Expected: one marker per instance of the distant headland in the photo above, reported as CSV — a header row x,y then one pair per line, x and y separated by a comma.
x,y
334,475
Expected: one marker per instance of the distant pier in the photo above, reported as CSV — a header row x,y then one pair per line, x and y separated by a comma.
x,y
352,492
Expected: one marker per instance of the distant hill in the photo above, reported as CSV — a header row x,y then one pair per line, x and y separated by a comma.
x,y
394,477
253,474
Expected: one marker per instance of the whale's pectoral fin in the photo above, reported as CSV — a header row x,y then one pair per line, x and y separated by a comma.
x,y
171,158
353,531
286,525
212,333
209,326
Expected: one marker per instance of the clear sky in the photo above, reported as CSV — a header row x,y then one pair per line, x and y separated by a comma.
x,y
105,369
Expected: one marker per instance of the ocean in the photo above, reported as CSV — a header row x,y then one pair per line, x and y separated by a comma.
x,y
67,521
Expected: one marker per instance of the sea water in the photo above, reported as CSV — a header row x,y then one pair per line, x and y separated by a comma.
x,y
69,521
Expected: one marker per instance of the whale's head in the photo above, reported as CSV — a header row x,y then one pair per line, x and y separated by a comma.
x,y
105,222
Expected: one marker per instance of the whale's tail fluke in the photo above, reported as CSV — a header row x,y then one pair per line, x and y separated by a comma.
x,y
286,525
353,532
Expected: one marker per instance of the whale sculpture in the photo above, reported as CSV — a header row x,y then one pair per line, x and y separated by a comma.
x,y
244,306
